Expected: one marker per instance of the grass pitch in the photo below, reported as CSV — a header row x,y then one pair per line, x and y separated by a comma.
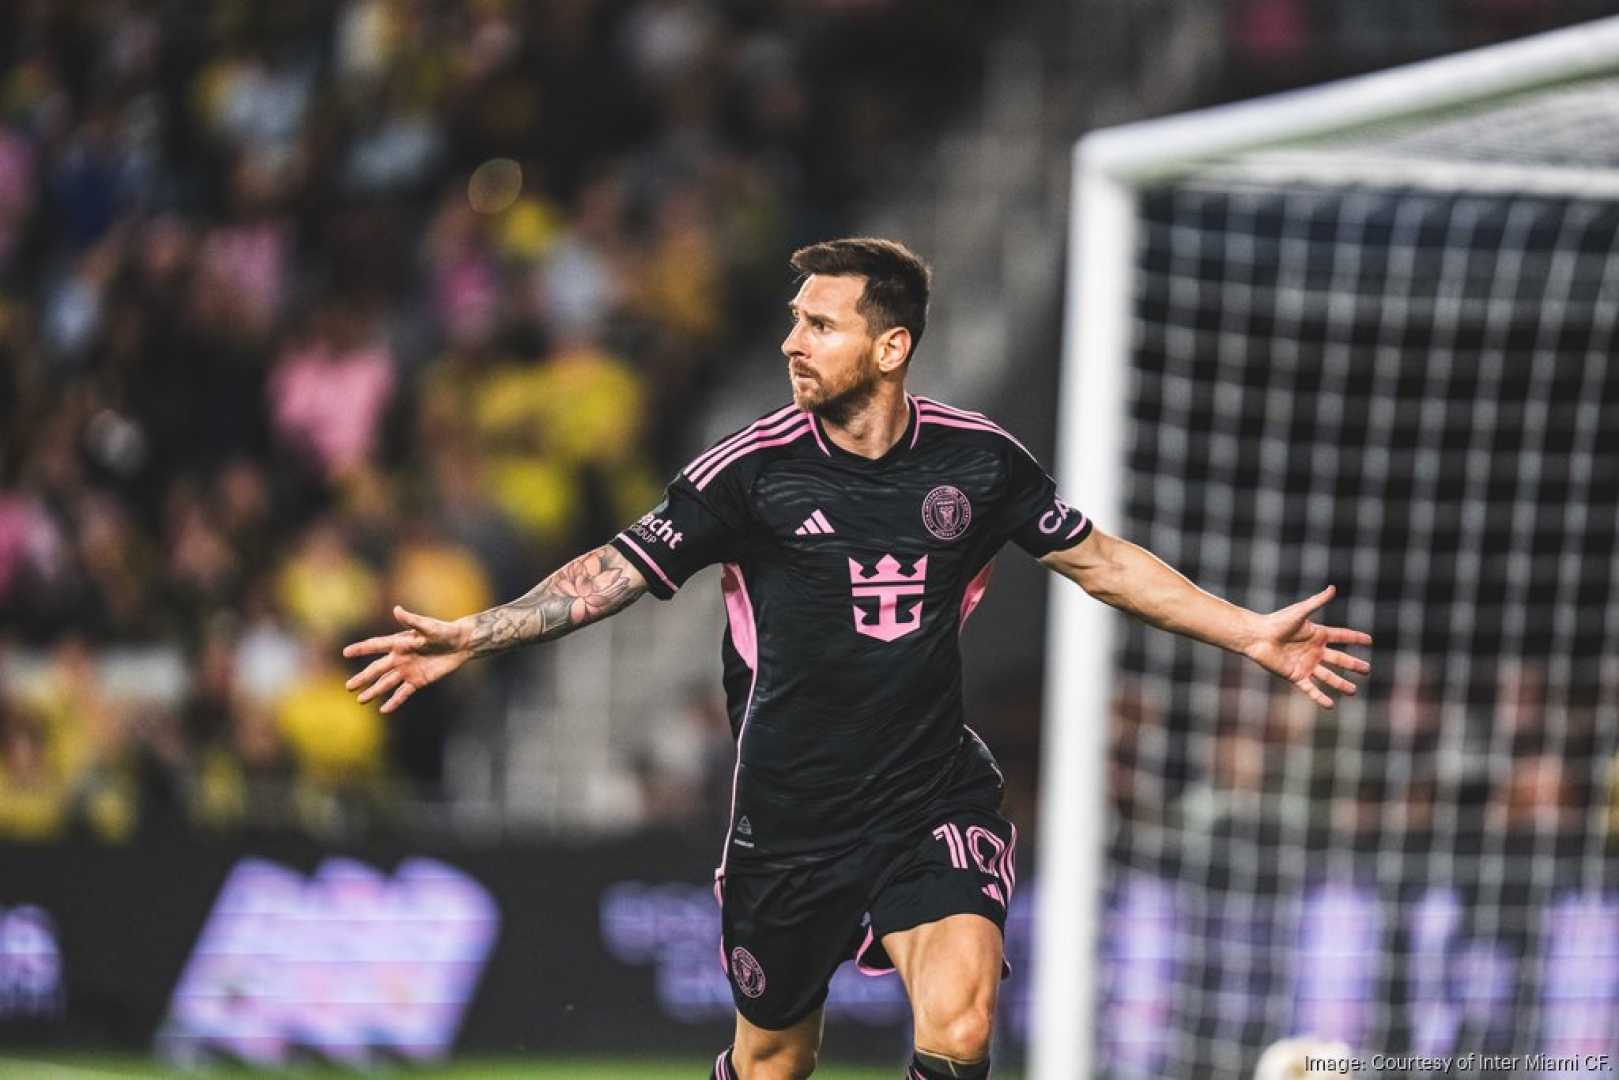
x,y
56,1066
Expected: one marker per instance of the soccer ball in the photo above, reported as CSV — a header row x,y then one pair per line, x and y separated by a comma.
x,y
1286,1059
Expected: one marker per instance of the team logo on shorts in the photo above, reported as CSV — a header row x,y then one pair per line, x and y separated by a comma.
x,y
946,512
749,976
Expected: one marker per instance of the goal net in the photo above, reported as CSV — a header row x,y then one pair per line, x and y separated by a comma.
x,y
1362,336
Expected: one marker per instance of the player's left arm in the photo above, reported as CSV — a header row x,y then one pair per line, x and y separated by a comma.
x,y
1285,642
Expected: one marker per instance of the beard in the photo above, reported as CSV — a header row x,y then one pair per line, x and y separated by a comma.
x,y
836,404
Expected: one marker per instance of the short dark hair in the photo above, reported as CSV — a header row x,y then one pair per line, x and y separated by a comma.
x,y
897,280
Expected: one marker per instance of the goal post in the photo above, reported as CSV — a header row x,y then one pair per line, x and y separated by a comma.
x,y
1283,179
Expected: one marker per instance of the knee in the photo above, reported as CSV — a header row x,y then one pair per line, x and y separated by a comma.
x,y
782,1061
962,1034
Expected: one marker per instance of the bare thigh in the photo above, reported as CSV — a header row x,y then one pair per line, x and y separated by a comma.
x,y
788,1054
952,973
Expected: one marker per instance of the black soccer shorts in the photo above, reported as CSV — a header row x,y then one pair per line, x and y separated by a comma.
x,y
784,933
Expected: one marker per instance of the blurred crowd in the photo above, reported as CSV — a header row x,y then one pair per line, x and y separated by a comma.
x,y
309,308
312,307
1280,44
1513,762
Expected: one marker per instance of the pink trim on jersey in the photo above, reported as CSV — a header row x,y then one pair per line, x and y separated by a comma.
x,y
742,732
725,444
974,594
722,1070
950,416
650,561
758,431
969,414
739,612
758,442
815,426
820,440
970,425
934,412
860,964
719,898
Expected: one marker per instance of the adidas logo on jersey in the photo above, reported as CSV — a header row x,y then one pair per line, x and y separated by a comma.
x,y
744,827
815,525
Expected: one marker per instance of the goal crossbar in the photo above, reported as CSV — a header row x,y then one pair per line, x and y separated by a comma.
x,y
1136,151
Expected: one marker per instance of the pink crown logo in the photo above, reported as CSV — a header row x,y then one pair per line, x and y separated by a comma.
x,y
893,589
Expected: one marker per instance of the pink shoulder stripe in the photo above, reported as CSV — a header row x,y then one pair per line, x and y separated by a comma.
x,y
943,407
650,561
952,410
704,476
939,408
775,419
944,419
727,443
973,425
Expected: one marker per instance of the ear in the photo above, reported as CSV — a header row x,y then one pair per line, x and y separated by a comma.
x,y
893,349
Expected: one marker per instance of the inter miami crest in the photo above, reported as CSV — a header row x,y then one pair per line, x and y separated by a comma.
x,y
946,512
748,972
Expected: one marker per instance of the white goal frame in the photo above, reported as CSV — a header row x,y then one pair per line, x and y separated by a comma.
x,y
1108,165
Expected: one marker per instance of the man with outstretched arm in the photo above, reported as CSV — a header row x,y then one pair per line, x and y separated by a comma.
x,y
856,528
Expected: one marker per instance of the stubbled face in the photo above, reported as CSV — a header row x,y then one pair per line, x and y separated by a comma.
x,y
831,354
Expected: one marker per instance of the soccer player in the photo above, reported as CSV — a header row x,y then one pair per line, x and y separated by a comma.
x,y
856,528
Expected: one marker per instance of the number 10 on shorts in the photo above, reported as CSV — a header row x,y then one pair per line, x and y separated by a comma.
x,y
989,854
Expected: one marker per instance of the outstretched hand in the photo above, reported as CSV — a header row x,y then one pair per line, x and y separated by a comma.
x,y
1290,645
425,652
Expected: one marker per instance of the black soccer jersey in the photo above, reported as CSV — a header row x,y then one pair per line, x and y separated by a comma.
x,y
847,581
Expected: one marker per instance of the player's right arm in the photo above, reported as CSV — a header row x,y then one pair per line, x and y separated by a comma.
x,y
597,584
702,519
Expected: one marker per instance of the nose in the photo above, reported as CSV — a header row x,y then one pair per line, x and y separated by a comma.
x,y
791,345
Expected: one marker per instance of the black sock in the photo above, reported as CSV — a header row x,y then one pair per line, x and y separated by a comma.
x,y
926,1066
723,1069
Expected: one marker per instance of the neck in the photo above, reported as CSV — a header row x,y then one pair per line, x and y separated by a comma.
x,y
872,429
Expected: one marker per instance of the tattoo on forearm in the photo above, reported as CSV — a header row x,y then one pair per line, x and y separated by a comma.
x,y
591,587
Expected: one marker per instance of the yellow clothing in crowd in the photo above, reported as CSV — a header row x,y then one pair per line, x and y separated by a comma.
x,y
440,577
327,596
334,738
